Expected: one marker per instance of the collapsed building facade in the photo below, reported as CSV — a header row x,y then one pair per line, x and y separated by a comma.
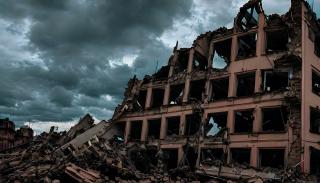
x,y
261,108
241,104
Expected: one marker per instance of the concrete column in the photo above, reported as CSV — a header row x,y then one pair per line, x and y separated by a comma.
x,y
230,121
180,154
305,157
171,69
182,124
207,91
257,123
290,135
199,156
190,61
149,96
232,85
211,55
126,136
208,82
186,89
254,159
163,130
229,158
144,131
188,78
172,63
166,95
261,36
234,48
258,81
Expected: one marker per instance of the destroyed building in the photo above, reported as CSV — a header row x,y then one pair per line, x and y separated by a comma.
x,y
7,130
242,105
23,135
10,137
247,95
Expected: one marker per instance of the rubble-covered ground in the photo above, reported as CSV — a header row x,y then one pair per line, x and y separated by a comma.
x,y
98,160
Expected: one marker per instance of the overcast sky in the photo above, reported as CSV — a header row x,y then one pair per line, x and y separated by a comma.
x,y
62,59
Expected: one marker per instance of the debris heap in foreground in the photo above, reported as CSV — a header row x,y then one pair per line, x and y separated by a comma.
x,y
240,105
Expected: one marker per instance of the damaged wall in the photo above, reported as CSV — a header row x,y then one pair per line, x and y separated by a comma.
x,y
10,137
7,132
253,74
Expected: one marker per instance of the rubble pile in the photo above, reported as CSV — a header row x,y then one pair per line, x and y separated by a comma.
x,y
34,162
100,160
95,161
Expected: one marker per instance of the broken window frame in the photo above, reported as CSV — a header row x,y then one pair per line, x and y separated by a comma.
x,y
221,124
130,131
249,125
212,89
272,161
155,120
159,100
214,156
245,49
167,126
314,112
223,52
192,129
192,89
314,161
273,73
315,86
182,61
241,150
121,128
276,31
179,98
284,115
201,60
239,76
142,97
255,8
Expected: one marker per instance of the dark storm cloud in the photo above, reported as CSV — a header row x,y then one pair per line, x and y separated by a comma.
x,y
79,48
61,96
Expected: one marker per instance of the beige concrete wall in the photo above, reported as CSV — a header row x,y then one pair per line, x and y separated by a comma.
x,y
310,62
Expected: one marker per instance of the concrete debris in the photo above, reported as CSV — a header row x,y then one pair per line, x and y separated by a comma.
x,y
81,175
101,160
240,105
83,125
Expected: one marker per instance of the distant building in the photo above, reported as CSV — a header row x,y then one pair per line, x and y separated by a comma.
x,y
7,131
10,138
23,135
